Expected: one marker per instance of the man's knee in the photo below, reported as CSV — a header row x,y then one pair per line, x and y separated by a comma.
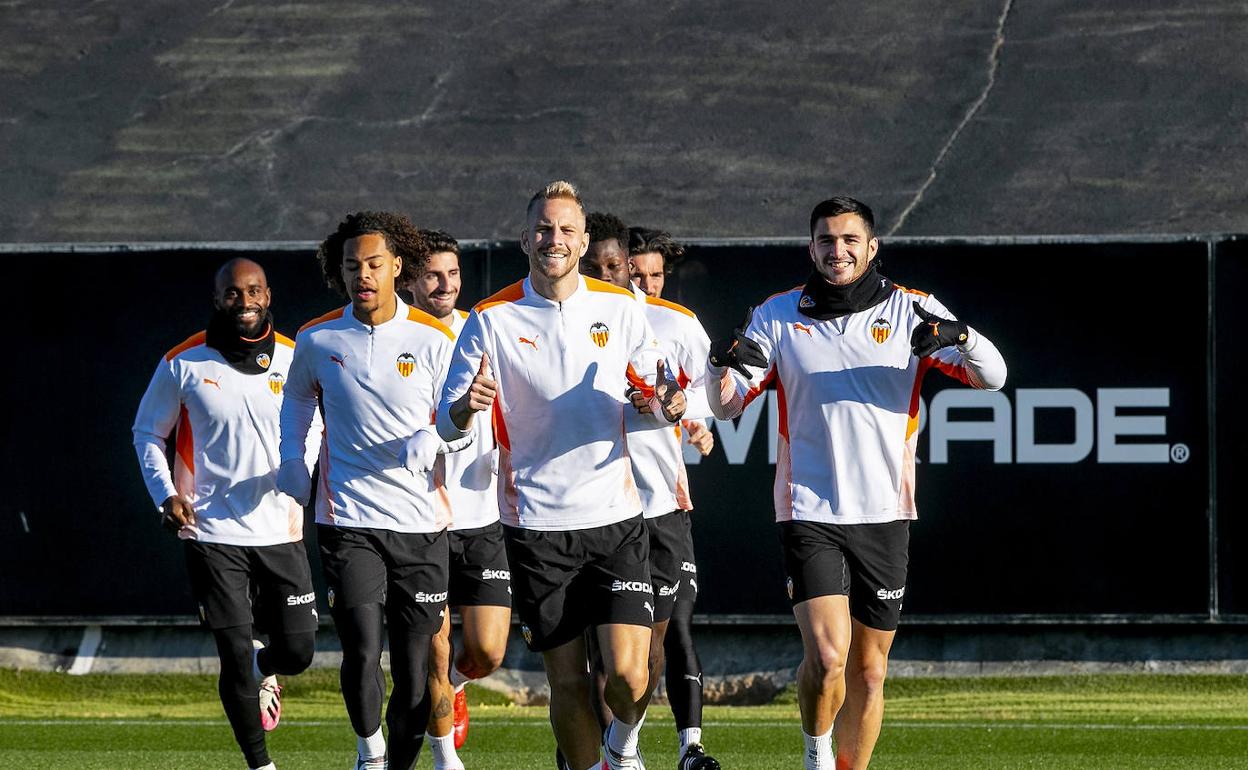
x,y
569,682
476,662
633,680
825,662
868,677
292,654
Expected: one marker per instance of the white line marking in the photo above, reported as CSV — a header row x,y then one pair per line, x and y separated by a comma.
x,y
545,724
87,648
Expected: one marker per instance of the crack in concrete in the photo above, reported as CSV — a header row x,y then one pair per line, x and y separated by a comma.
x,y
994,64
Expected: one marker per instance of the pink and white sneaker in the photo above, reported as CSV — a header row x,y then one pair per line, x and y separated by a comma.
x,y
270,693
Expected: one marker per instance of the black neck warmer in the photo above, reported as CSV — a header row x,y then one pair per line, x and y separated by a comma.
x,y
249,356
821,300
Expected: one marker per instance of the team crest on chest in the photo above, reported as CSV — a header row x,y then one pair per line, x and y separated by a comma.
x,y
880,330
263,360
276,381
600,334
406,363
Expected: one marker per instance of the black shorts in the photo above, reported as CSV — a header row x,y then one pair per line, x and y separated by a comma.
x,y
479,572
407,572
269,586
567,581
867,562
671,552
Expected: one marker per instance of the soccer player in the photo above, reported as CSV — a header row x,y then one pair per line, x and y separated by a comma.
x,y
480,580
551,358
221,392
659,468
607,256
653,253
374,369
847,353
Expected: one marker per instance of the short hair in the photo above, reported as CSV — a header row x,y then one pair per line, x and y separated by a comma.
x,y
642,240
602,226
842,204
401,237
557,189
440,240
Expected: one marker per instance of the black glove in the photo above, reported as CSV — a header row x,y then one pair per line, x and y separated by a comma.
x,y
936,333
738,351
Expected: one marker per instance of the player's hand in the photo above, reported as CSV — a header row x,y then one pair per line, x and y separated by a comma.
x,y
420,451
698,436
935,333
669,399
738,351
478,398
177,512
293,479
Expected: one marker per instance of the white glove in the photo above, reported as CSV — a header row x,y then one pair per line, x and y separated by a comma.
x,y
420,451
293,479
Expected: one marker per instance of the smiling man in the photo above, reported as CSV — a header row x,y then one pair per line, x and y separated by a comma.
x,y
480,579
221,393
847,353
550,359
374,369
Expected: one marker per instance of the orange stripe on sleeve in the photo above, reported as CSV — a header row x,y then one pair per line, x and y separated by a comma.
x,y
638,382
194,340
330,316
421,317
593,284
186,441
282,339
501,297
659,302
910,291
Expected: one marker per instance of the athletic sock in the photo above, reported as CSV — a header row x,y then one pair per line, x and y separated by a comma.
x,y
371,747
269,766
595,766
458,678
688,737
622,737
443,748
819,751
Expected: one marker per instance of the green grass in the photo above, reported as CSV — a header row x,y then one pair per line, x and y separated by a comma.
x,y
174,721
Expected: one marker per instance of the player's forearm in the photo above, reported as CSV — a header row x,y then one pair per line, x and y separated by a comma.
x,y
296,420
985,367
454,421
155,467
724,398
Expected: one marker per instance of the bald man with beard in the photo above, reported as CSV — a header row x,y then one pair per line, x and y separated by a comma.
x,y
218,395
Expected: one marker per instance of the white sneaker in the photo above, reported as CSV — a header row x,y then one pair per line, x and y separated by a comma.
x,y
270,692
616,761
376,763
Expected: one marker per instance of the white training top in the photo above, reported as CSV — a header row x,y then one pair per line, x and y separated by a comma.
x,y
655,448
848,398
376,386
225,461
472,473
562,370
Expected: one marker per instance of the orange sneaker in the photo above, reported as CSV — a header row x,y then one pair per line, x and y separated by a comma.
x,y
460,711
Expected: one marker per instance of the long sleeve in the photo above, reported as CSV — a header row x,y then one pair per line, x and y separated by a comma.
x,y
978,363
735,391
694,349
465,361
299,402
155,422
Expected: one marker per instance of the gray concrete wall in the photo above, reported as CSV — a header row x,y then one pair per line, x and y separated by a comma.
x,y
742,664
252,120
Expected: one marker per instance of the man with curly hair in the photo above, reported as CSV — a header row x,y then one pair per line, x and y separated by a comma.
x,y
374,369
549,359
480,582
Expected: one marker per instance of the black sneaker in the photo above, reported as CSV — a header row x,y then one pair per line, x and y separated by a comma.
x,y
696,758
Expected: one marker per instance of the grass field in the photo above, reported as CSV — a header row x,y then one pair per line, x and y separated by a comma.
x,y
1136,721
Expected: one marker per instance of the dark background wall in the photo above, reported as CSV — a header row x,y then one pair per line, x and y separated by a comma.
x,y
999,536
251,120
